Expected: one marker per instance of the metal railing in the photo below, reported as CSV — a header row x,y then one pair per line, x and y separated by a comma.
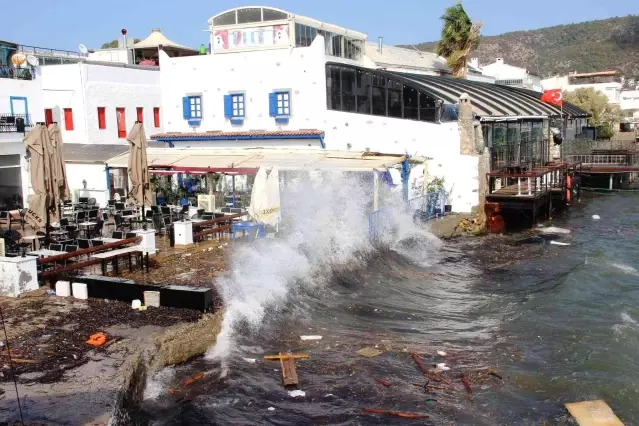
x,y
9,122
528,184
34,50
619,159
9,71
585,147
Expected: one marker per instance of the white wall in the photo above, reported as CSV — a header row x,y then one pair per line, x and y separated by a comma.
x,y
84,87
94,174
629,100
30,89
502,71
123,56
257,73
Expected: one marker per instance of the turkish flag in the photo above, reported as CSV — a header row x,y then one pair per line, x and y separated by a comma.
x,y
554,97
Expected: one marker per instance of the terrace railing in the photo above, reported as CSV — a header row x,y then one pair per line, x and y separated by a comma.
x,y
8,71
10,123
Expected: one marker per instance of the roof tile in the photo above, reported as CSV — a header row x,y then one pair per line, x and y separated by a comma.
x,y
217,134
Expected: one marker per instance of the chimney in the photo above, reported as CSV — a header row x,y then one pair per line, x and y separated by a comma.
x,y
500,60
380,44
474,62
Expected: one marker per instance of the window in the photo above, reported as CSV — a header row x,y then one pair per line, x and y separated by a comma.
x,y
427,108
273,15
101,118
348,90
333,88
379,95
280,104
394,97
238,105
192,107
227,18
363,92
156,117
411,103
248,15
140,114
120,115
48,116
235,106
68,119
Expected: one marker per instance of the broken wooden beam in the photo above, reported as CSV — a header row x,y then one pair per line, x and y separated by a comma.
x,y
593,413
287,363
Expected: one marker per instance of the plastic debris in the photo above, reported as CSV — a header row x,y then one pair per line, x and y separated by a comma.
x,y
297,393
369,352
442,367
553,230
311,337
596,217
142,308
250,360
136,304
558,243
328,395
271,408
395,413
384,382
190,380
97,339
442,353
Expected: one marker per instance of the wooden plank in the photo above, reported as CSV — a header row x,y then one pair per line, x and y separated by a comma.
x,y
289,375
593,413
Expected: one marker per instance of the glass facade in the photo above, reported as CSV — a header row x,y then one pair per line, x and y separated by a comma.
x,y
249,15
352,89
334,44
515,143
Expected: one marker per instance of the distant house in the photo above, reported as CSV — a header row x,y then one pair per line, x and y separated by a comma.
x,y
510,75
630,105
607,82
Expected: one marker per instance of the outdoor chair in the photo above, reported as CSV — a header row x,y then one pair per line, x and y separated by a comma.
x,y
13,244
70,248
80,217
5,218
55,247
72,231
92,202
200,213
96,231
120,224
97,243
117,234
93,214
158,222
119,207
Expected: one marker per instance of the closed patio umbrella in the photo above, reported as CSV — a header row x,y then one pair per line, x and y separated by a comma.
x,y
39,148
58,166
140,194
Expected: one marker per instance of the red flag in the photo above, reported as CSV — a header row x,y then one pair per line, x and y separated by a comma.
x,y
554,97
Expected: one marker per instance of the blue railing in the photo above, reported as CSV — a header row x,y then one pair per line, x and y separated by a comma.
x,y
380,221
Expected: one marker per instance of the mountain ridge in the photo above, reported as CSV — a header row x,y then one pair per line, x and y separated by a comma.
x,y
606,44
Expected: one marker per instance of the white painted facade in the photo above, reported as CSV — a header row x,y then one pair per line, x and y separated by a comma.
x,y
612,89
302,71
17,97
510,75
630,104
117,55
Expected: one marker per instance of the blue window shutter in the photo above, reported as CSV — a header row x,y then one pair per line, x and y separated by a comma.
x,y
186,108
272,102
228,106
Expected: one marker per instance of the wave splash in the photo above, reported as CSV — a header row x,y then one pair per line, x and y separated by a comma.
x,y
326,219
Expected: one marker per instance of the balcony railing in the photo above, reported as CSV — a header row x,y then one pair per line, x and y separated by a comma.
x,y
8,71
10,123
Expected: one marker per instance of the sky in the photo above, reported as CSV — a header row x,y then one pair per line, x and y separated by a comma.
x,y
67,23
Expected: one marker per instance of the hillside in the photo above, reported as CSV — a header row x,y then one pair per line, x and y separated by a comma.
x,y
584,47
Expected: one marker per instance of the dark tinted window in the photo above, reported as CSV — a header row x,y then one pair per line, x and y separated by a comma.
x,y
426,107
252,14
348,90
298,35
337,45
333,88
274,15
411,103
227,18
363,92
379,95
394,97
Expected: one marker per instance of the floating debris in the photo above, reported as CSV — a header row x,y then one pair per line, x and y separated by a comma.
x,y
370,352
596,217
464,381
494,374
271,408
442,367
190,380
250,360
593,413
558,243
384,382
297,393
287,362
395,413
442,353
97,339
419,363
311,337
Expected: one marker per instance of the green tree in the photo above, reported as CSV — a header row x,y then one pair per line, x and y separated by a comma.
x,y
595,103
113,44
459,38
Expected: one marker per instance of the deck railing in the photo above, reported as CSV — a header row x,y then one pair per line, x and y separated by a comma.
x,y
9,122
617,159
8,71
528,184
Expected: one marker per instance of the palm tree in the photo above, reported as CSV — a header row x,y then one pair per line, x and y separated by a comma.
x,y
459,38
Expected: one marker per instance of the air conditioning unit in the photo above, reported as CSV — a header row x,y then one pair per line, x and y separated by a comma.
x,y
206,202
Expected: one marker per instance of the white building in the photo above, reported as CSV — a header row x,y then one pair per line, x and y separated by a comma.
x,y
606,82
278,79
21,106
630,104
97,104
510,75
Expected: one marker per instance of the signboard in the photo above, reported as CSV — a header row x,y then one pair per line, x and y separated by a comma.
x,y
246,38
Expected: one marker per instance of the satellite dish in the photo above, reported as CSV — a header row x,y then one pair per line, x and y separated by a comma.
x,y
33,60
18,59
83,49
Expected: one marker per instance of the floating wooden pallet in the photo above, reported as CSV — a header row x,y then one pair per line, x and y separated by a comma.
x,y
287,362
